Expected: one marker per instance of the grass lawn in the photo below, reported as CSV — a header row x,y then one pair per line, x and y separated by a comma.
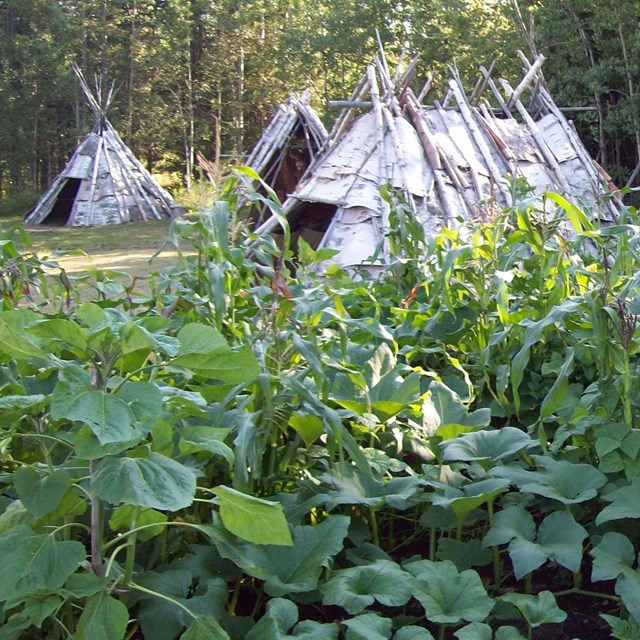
x,y
124,247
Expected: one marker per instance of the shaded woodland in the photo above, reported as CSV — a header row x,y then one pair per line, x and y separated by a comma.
x,y
203,76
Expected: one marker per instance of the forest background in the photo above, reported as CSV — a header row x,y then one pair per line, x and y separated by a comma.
x,y
204,75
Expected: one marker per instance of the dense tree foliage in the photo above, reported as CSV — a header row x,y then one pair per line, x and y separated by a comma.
x,y
204,75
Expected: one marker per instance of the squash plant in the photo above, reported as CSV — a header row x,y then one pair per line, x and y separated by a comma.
x,y
447,450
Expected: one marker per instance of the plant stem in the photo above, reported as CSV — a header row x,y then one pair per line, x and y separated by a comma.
x,y
626,381
586,592
374,527
497,565
178,604
96,527
441,632
235,596
528,582
131,549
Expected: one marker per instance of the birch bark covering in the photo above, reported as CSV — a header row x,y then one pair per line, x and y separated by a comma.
x,y
103,183
449,163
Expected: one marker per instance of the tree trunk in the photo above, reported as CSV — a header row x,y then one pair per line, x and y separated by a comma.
x,y
132,63
588,50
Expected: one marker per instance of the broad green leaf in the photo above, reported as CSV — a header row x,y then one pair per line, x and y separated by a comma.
x,y
625,503
486,445
40,607
12,403
31,562
156,482
356,588
253,519
628,588
205,628
294,571
232,367
200,338
106,415
508,633
135,338
144,399
12,628
443,406
512,522
474,631
196,438
102,618
622,629
88,447
122,518
614,558
39,493
536,610
449,596
308,426
470,496
13,339
162,620
66,332
463,554
559,538
613,555
83,585
312,630
280,616
72,381
355,487
412,632
368,626
72,505
560,480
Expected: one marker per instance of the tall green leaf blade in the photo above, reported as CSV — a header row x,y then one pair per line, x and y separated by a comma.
x,y
534,333
156,482
559,388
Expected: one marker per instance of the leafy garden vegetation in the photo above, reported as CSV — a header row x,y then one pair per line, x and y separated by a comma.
x,y
447,449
